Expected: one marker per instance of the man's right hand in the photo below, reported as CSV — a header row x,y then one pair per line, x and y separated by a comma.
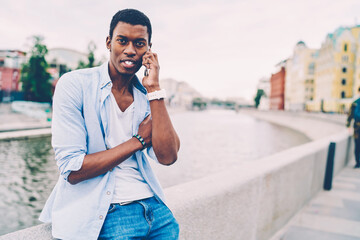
x,y
145,130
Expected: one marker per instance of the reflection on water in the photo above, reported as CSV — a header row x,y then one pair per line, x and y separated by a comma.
x,y
211,141
27,175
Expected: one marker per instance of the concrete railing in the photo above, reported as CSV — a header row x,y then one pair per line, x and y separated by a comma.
x,y
252,200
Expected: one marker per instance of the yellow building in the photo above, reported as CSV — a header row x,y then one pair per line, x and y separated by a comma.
x,y
299,80
356,32
336,76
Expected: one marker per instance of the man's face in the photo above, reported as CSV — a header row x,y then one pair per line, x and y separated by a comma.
x,y
127,46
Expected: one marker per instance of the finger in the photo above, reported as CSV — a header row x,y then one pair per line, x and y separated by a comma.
x,y
149,66
151,62
150,54
146,63
156,57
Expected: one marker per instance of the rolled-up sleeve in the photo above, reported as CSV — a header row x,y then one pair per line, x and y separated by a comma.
x,y
68,126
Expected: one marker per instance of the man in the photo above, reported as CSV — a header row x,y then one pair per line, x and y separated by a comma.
x,y
101,122
354,113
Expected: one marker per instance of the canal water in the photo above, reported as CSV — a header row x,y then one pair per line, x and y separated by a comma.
x,y
211,141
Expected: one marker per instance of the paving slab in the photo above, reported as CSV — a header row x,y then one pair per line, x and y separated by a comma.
x,y
331,215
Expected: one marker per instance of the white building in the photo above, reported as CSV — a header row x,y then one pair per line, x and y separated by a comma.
x,y
299,78
179,94
64,58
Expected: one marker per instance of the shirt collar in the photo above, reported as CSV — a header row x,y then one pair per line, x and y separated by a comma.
x,y
105,79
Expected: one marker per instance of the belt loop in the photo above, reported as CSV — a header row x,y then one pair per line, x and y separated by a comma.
x,y
157,199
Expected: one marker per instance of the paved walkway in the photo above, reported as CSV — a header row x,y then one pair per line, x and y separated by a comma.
x,y
331,215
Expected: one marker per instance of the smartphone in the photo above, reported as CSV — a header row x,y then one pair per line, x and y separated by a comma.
x,y
146,72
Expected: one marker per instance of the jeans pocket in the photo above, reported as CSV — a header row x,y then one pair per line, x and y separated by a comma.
x,y
112,208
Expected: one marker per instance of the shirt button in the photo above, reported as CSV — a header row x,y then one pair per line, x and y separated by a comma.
x,y
101,217
108,192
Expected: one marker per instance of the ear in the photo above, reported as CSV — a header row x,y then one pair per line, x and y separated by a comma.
x,y
108,43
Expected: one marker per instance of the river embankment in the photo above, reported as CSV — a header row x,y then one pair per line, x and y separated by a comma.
x,y
256,199
313,125
251,200
15,125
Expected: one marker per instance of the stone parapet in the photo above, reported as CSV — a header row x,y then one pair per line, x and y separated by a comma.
x,y
252,200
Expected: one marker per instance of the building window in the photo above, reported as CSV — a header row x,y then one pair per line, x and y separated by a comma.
x,y
344,70
311,68
345,59
2,62
342,94
343,82
345,47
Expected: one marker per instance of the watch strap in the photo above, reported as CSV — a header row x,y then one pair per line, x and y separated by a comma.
x,y
156,95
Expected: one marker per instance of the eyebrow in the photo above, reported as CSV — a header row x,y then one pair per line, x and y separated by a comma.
x,y
138,39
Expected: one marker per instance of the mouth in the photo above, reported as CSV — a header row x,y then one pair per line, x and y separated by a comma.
x,y
128,63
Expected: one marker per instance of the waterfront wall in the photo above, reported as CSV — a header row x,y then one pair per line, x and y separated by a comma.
x,y
250,201
254,200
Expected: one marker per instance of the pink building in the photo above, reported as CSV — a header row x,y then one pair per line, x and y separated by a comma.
x,y
277,87
10,69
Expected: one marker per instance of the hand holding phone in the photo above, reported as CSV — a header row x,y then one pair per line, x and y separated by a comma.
x,y
147,71
151,73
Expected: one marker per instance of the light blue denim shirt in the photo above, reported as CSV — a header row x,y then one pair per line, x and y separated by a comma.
x,y
80,127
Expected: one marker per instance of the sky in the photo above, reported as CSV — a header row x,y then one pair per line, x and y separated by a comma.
x,y
221,48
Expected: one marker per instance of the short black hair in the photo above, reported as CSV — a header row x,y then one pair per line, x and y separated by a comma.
x,y
359,89
131,16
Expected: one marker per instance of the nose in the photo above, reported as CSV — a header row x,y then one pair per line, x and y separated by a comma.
x,y
130,49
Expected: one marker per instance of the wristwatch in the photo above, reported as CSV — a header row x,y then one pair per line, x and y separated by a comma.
x,y
157,95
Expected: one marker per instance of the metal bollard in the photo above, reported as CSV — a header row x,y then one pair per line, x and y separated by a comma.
x,y
329,167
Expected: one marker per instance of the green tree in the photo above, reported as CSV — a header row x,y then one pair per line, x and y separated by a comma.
x,y
34,75
258,96
199,103
91,57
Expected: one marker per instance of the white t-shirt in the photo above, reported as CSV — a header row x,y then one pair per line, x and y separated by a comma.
x,y
129,184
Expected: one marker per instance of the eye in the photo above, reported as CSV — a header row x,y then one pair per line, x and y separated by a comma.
x,y
140,44
122,41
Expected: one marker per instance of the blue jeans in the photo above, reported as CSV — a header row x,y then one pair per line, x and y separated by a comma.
x,y
143,219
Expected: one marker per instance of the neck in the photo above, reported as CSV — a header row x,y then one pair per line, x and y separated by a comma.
x,y
121,82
